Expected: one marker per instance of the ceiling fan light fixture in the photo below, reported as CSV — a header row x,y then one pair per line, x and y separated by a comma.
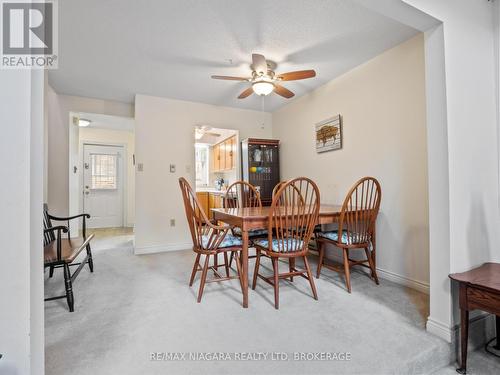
x,y
264,79
263,87
83,123
198,134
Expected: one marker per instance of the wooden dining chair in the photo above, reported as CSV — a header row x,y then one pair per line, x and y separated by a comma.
x,y
357,227
209,240
277,187
317,228
241,194
238,195
293,213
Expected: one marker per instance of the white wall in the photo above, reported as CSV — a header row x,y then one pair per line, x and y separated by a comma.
x,y
472,128
127,138
472,151
164,136
59,108
439,183
382,103
21,194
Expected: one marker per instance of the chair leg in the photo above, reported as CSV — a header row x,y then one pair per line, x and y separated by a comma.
x,y
310,277
226,264
347,270
195,269
372,266
69,288
276,283
321,250
291,266
231,259
203,277
51,271
256,270
90,261
216,263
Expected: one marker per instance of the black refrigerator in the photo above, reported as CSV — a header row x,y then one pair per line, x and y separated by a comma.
x,y
261,165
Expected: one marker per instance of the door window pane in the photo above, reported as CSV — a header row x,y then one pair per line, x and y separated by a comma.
x,y
103,171
202,160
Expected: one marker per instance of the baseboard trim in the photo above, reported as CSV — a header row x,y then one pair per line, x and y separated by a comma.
x,y
439,329
451,334
162,248
392,276
403,280
383,274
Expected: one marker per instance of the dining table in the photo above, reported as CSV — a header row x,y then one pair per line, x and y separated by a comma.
x,y
250,218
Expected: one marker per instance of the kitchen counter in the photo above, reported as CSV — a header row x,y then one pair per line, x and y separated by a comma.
x,y
210,190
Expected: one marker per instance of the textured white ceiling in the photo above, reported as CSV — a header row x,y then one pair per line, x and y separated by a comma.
x,y
115,49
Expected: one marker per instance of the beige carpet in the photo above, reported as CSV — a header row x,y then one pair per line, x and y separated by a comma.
x,y
133,306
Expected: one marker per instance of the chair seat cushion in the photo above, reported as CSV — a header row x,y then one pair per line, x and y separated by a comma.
x,y
70,248
317,228
228,241
288,245
251,233
347,237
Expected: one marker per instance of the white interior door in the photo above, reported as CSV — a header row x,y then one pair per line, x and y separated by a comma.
x,y
103,185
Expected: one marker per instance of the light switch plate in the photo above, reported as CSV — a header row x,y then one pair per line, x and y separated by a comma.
x,y
172,168
140,167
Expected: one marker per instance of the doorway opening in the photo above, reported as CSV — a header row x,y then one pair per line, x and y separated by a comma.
x,y
102,176
217,164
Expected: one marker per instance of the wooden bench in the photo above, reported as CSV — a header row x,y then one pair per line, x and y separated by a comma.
x,y
62,252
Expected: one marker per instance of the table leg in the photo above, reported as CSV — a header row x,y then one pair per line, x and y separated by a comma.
x,y
244,266
374,247
464,337
497,346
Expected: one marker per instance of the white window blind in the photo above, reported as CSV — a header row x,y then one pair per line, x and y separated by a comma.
x,y
103,171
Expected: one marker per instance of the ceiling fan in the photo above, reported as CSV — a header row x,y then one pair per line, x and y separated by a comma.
x,y
264,80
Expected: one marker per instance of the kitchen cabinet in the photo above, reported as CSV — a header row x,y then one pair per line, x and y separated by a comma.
x,y
214,201
203,199
229,152
209,200
223,154
216,157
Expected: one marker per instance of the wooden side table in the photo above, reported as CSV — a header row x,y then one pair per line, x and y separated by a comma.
x,y
478,289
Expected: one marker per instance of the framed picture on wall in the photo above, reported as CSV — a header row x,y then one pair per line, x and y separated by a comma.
x,y
329,134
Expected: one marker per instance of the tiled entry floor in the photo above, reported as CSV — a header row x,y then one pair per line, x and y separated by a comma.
x,y
112,238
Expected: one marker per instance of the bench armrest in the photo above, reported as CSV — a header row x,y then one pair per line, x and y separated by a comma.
x,y
68,218
84,224
58,229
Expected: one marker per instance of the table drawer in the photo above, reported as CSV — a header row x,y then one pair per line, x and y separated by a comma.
x,y
483,300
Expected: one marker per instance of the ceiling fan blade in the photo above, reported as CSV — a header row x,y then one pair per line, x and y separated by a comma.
x,y
259,63
284,92
246,93
228,78
299,74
